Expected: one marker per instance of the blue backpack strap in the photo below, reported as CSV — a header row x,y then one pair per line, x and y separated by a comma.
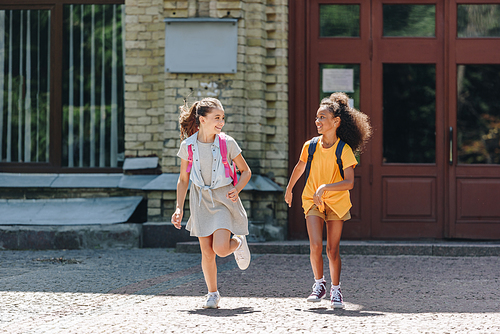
x,y
310,151
338,154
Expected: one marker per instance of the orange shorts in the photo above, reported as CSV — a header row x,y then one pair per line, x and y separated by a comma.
x,y
327,215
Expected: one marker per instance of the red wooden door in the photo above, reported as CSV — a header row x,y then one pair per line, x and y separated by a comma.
x,y
328,54
427,74
473,73
408,118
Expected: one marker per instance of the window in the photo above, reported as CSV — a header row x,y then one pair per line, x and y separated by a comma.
x,y
24,85
478,114
339,20
93,86
62,95
475,21
409,20
409,113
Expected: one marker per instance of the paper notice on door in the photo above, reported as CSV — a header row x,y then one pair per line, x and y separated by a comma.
x,y
338,80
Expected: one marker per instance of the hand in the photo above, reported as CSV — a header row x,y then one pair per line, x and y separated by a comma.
x,y
233,195
318,196
288,198
177,218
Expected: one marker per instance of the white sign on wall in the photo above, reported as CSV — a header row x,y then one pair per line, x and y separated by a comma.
x,y
338,80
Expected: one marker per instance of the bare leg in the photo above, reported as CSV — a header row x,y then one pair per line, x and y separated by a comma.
x,y
208,264
334,231
315,232
223,245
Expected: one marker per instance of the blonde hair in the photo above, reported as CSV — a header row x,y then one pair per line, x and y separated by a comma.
x,y
189,119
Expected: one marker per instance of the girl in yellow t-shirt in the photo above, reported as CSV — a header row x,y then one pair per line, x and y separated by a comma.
x,y
326,194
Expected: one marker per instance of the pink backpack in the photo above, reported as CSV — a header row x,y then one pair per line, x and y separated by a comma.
x,y
223,152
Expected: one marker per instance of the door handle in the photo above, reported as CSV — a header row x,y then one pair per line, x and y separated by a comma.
x,y
451,146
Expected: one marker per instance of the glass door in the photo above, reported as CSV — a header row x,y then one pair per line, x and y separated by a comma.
x,y
474,131
427,72
408,114
339,58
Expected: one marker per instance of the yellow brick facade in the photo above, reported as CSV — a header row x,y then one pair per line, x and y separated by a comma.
x,y
144,78
255,97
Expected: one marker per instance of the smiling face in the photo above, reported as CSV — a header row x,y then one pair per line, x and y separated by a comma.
x,y
325,121
213,121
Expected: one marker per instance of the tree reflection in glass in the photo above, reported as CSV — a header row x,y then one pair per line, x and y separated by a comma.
x,y
339,20
409,20
478,21
478,114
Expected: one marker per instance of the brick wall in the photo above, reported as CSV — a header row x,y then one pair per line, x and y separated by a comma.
x,y
255,98
144,84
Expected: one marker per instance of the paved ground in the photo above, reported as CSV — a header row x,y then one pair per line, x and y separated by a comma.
x,y
160,291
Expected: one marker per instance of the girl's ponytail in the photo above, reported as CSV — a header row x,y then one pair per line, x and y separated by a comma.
x,y
355,128
188,121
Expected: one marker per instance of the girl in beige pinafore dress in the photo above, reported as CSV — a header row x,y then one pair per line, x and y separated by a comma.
x,y
215,207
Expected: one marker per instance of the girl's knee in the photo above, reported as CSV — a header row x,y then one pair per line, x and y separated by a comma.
x,y
221,250
332,252
208,254
316,248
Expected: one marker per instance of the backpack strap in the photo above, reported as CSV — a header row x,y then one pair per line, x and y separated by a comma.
x,y
190,158
223,152
310,152
338,154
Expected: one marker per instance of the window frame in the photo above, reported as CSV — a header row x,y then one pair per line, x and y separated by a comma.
x,y
56,74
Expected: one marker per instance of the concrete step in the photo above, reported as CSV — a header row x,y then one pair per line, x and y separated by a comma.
x,y
127,235
164,235
416,248
41,237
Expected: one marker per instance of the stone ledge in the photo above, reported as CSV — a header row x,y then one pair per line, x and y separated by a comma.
x,y
162,182
71,237
163,235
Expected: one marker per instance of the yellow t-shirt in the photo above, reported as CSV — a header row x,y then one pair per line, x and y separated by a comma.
x,y
325,170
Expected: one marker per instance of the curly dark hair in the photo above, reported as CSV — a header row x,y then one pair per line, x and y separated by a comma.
x,y
189,119
355,128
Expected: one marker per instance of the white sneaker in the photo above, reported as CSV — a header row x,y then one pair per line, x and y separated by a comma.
x,y
242,253
212,300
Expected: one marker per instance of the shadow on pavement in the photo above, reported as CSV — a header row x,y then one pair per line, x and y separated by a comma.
x,y
340,313
222,312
